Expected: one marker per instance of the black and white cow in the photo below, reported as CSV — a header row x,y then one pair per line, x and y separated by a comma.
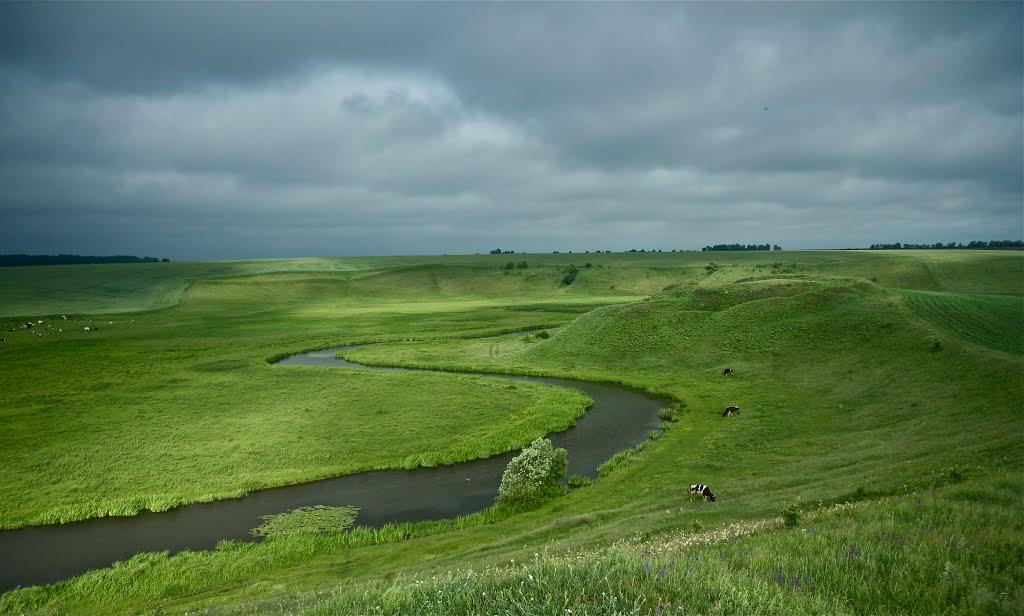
x,y
699,489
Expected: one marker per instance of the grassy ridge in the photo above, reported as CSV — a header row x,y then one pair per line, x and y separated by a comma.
x,y
93,289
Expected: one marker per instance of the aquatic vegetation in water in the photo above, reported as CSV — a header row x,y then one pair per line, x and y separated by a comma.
x,y
315,519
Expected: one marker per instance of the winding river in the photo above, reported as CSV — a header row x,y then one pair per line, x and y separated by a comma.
x,y
620,418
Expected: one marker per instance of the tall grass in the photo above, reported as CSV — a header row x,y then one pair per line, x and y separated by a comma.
x,y
954,550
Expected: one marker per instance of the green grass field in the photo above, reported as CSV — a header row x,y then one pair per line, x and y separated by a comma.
x,y
862,377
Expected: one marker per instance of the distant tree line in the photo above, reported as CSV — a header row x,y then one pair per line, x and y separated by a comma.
x,y
736,247
16,260
499,251
938,245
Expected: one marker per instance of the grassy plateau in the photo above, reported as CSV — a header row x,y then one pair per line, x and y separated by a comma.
x,y
881,403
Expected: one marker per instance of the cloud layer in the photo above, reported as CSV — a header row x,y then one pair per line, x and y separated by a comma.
x,y
230,130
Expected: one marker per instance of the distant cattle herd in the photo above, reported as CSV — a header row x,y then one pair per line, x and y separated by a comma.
x,y
38,327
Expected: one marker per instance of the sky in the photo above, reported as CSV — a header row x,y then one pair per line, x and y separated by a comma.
x,y
232,130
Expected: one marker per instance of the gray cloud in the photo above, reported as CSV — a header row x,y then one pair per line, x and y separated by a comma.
x,y
234,130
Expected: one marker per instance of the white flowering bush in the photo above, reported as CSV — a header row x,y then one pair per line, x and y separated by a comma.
x,y
538,472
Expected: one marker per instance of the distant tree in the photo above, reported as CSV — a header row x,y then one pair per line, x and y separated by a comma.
x,y
736,247
23,259
975,244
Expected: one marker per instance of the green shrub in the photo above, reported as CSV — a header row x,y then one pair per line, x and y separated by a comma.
x,y
791,515
619,458
543,335
522,265
569,275
671,413
578,481
510,266
535,474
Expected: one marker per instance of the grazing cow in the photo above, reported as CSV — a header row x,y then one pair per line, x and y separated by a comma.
x,y
728,372
703,491
732,410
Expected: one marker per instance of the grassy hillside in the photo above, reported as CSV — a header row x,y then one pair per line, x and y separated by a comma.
x,y
989,320
953,550
845,395
92,289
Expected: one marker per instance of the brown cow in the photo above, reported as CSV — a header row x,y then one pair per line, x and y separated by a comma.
x,y
728,372
732,410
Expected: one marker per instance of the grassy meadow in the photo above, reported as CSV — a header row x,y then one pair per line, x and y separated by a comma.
x,y
889,381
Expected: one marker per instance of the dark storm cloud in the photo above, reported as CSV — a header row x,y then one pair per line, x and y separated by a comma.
x,y
209,130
